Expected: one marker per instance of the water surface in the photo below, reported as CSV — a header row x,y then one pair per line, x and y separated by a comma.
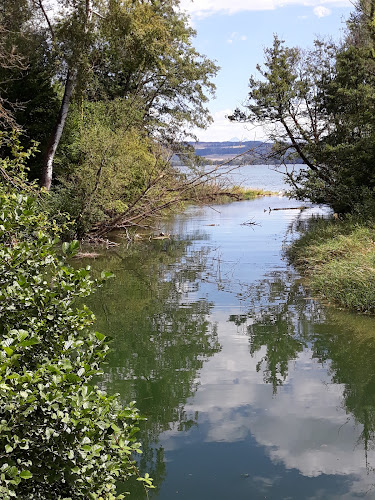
x,y
266,177
252,389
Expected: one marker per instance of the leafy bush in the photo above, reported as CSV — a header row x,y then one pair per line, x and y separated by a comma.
x,y
60,437
110,168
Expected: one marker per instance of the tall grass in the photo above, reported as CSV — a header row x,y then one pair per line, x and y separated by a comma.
x,y
338,260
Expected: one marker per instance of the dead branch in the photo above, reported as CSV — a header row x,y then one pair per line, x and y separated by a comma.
x,y
250,223
287,208
150,203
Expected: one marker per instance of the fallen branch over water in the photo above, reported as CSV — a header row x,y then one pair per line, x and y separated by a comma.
x,y
286,208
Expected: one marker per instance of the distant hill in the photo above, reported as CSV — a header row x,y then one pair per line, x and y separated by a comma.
x,y
236,139
216,151
252,152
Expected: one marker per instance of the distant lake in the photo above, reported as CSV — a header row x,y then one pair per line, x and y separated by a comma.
x,y
267,177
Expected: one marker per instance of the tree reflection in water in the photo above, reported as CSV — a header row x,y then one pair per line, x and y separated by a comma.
x,y
159,318
279,322
161,337
349,347
283,321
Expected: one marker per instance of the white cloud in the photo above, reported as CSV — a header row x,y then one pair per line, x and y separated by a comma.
x,y
322,11
232,37
205,8
222,129
236,36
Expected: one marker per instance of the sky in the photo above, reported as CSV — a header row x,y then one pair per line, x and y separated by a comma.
x,y
235,33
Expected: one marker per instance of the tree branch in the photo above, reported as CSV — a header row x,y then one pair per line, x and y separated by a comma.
x,y
39,3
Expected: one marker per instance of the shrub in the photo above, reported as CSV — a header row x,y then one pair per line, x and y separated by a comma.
x,y
110,169
60,437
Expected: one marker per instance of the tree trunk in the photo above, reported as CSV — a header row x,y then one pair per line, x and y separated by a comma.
x,y
47,168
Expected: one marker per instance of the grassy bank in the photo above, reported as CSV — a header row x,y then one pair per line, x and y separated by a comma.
x,y
214,192
338,260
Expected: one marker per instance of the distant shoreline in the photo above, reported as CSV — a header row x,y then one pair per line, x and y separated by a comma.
x,y
252,153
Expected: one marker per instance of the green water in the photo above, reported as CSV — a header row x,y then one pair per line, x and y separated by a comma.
x,y
251,388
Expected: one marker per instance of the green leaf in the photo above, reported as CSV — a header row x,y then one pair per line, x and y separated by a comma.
x,y
106,275
74,246
100,336
22,334
8,350
30,342
115,428
65,247
26,474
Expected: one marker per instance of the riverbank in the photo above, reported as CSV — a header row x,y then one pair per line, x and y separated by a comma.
x,y
338,260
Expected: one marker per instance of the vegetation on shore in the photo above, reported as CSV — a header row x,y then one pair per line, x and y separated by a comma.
x,y
320,105
60,436
217,193
108,90
337,257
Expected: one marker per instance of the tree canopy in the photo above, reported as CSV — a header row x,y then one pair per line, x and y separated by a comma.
x,y
92,50
319,105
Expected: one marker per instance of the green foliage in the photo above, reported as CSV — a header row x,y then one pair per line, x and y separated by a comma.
x,y
137,51
14,162
60,437
133,84
29,88
338,258
144,50
110,170
320,104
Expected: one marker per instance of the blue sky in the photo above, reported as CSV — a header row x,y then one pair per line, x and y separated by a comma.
x,y
235,33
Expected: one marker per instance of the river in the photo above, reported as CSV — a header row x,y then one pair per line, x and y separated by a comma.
x,y
252,389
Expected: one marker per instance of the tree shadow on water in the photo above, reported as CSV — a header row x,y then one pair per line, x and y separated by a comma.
x,y
162,336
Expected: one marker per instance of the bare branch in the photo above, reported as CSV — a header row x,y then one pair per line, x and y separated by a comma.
x,y
39,3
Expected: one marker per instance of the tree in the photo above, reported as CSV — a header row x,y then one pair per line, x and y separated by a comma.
x,y
319,104
10,60
138,51
288,101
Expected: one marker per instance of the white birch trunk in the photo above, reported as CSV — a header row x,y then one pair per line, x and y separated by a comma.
x,y
47,169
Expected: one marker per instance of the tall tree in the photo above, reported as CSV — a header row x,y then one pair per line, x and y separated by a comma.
x,y
139,51
11,59
320,104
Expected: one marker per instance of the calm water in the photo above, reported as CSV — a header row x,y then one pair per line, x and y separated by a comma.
x,y
267,177
251,388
